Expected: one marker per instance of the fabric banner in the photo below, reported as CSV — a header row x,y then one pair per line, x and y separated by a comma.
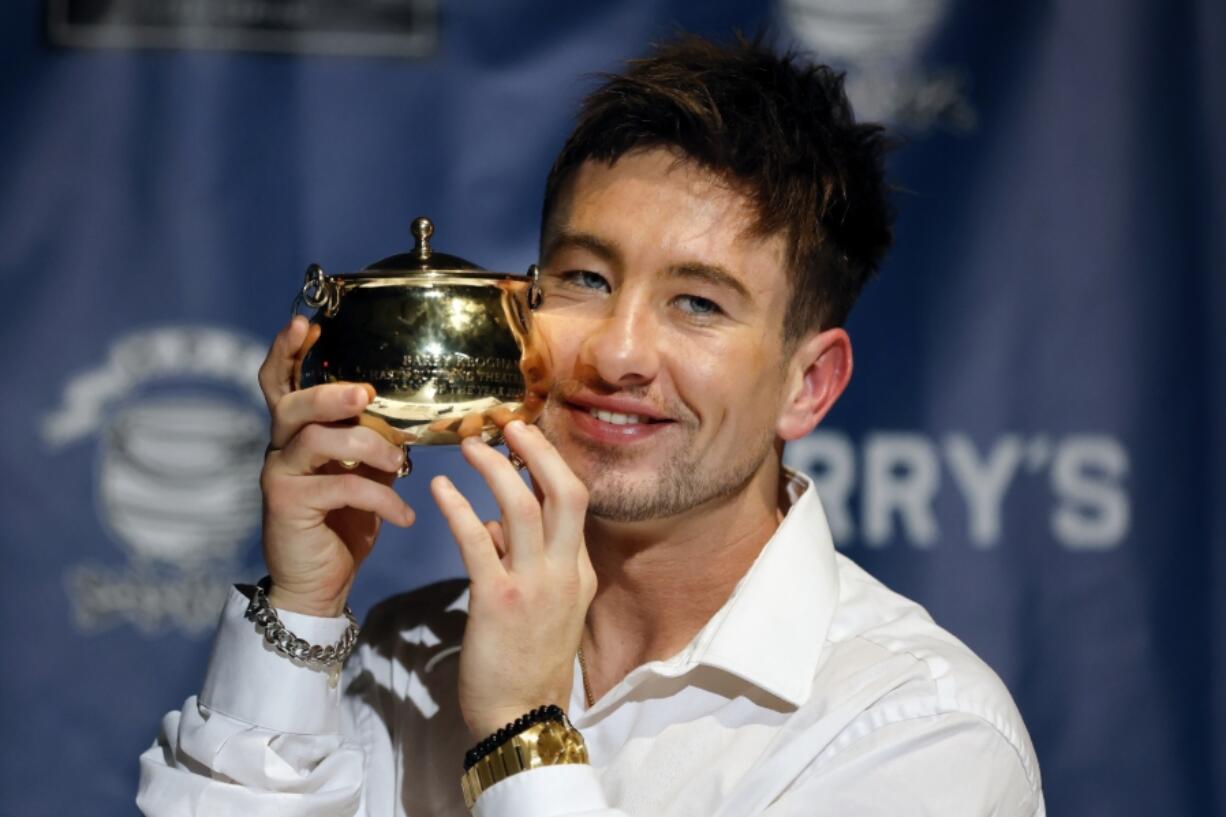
x,y
1032,445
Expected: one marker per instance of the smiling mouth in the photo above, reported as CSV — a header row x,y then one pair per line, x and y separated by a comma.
x,y
603,426
621,419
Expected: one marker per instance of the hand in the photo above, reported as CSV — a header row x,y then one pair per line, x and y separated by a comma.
x,y
321,520
532,581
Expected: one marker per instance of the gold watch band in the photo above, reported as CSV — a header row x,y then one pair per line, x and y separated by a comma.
x,y
543,744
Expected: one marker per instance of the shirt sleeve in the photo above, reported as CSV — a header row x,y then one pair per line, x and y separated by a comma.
x,y
263,737
568,790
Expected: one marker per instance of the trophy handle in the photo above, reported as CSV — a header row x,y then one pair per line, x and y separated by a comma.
x,y
535,294
319,291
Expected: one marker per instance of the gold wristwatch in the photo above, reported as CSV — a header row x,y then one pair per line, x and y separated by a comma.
x,y
548,743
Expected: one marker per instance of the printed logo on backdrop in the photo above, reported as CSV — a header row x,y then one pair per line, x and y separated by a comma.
x,y
889,486
881,45
389,28
178,428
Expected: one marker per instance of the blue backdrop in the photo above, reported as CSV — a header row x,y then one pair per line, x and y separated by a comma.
x,y
1032,445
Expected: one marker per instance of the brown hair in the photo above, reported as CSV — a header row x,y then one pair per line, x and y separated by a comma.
x,y
778,129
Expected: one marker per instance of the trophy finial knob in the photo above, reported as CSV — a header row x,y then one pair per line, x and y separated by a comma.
x,y
422,229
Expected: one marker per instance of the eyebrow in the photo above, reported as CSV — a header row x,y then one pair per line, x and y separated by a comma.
x,y
607,251
712,274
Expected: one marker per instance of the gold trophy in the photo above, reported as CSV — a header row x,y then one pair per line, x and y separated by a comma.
x,y
449,347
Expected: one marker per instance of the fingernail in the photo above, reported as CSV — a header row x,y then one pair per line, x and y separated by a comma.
x,y
517,425
357,396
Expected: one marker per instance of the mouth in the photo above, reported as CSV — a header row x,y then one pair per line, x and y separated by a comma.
x,y
606,425
619,419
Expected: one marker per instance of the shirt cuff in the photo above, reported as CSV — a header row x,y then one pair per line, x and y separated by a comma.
x,y
249,680
546,791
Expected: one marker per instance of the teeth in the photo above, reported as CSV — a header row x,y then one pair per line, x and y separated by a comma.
x,y
615,418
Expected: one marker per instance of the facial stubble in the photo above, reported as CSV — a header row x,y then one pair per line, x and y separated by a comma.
x,y
683,482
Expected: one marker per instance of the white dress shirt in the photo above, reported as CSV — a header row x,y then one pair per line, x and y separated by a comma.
x,y
813,691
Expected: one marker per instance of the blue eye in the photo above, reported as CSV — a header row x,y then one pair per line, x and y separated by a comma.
x,y
586,279
697,305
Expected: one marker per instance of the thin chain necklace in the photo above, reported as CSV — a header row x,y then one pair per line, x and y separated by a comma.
x,y
587,687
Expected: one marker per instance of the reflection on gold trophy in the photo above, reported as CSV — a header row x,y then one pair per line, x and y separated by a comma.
x,y
450,348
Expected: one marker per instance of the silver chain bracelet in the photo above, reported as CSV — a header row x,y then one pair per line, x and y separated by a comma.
x,y
290,645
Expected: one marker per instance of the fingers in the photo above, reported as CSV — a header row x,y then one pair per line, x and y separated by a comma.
x,y
500,415
521,511
530,529
494,528
355,491
446,424
386,430
530,408
289,496
474,423
314,330
326,403
565,496
471,425
316,445
476,547
277,370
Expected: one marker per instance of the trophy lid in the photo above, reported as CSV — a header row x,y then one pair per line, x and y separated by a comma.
x,y
422,258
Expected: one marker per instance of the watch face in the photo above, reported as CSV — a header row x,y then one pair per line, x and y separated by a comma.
x,y
551,743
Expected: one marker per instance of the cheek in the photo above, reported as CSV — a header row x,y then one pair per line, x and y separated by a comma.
x,y
759,383
731,380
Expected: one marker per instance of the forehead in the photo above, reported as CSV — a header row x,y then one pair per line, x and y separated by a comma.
x,y
658,208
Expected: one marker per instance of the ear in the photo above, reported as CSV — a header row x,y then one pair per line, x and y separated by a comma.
x,y
818,371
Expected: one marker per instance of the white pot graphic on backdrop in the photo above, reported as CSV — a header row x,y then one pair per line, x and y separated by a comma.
x,y
179,427
177,476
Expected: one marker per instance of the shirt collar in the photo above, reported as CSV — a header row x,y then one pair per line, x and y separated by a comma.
x,y
771,630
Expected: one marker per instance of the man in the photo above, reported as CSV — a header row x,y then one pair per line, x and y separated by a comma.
x,y
706,230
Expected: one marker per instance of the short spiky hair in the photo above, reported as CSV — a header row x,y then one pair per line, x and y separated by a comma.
x,y
777,129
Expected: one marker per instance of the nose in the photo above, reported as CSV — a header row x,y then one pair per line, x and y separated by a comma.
x,y
622,348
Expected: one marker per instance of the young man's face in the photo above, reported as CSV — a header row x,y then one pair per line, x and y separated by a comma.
x,y
663,317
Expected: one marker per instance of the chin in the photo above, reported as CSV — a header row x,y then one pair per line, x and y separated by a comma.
x,y
627,508
619,492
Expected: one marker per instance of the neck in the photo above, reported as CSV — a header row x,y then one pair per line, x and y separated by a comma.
x,y
661,580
